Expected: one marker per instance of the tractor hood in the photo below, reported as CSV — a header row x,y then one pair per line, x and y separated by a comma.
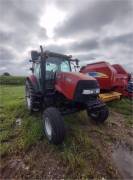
x,y
72,85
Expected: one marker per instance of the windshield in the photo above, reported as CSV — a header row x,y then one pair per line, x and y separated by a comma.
x,y
55,64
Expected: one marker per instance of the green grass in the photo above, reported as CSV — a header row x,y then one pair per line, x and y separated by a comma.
x,y
78,150
78,154
75,151
125,107
11,96
12,107
4,148
5,135
12,80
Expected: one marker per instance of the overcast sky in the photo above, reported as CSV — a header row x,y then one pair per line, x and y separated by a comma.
x,y
91,30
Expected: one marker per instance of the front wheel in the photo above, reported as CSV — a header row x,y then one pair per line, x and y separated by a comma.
x,y
99,116
53,125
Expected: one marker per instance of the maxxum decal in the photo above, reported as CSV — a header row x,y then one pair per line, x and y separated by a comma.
x,y
97,74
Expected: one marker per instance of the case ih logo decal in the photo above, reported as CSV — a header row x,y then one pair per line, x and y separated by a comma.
x,y
97,75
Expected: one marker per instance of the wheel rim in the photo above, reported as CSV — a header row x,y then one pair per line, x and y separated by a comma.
x,y
48,128
28,99
95,115
28,102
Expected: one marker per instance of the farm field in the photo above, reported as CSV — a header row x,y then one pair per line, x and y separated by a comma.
x,y
89,150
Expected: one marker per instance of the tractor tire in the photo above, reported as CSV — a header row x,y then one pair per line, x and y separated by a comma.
x,y
99,116
53,125
32,101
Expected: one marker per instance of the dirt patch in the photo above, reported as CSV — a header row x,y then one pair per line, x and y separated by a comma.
x,y
37,163
14,166
114,141
122,156
44,162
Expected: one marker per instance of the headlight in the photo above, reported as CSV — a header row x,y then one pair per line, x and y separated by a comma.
x,y
97,91
91,91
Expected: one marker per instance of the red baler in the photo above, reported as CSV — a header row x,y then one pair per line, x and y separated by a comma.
x,y
110,77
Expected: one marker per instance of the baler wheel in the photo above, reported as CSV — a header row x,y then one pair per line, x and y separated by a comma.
x,y
99,116
53,125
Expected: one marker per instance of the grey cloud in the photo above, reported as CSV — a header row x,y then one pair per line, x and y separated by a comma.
x,y
94,16
19,29
15,69
21,39
129,67
84,45
124,39
21,13
88,56
57,48
6,56
22,22
8,62
70,5
82,50
17,40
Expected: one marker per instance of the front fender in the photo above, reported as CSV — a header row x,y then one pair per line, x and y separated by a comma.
x,y
33,80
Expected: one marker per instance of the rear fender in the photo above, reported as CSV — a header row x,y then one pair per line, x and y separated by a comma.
x,y
33,80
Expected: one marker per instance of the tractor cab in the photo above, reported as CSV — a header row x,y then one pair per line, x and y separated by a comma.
x,y
52,64
55,65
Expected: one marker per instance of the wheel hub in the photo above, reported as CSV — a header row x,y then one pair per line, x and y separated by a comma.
x,y
48,128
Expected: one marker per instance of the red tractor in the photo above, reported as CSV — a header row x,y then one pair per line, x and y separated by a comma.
x,y
110,78
58,91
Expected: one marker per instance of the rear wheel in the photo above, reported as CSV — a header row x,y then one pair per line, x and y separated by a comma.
x,y
53,125
32,101
99,116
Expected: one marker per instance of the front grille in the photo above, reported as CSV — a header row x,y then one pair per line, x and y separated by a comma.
x,y
85,84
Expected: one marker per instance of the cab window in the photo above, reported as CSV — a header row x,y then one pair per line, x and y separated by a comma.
x,y
37,70
51,66
65,66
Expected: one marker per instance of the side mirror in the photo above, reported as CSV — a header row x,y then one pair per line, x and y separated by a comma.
x,y
31,69
77,62
34,55
70,56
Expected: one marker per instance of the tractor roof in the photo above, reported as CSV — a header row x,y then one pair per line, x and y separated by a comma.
x,y
35,55
53,54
